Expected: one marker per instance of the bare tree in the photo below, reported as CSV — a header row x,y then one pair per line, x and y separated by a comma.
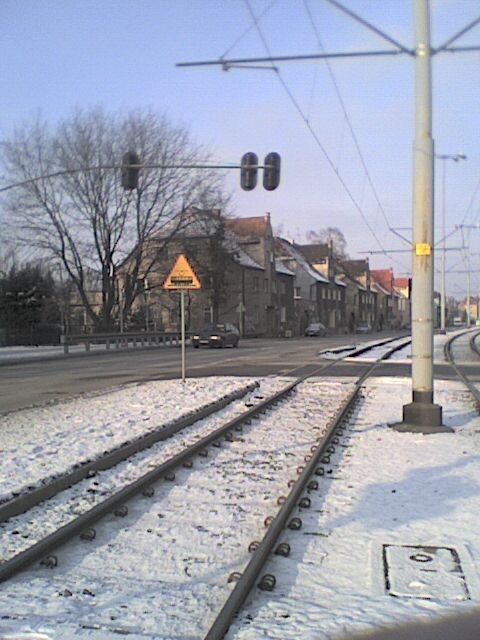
x,y
213,255
84,219
333,236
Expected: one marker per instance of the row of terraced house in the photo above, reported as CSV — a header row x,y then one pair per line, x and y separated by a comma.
x,y
268,286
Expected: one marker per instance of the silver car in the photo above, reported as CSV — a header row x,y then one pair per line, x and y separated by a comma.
x,y
315,329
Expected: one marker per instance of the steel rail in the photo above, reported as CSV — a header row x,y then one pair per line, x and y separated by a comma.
x,y
473,345
447,349
53,541
26,501
58,538
252,571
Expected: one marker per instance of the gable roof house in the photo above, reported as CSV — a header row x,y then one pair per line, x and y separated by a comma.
x,y
393,308
332,299
365,305
255,236
234,259
309,284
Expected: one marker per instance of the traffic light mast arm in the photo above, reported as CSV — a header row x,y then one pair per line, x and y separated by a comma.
x,y
106,167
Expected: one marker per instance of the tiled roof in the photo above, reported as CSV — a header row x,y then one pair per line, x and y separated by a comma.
x,y
376,286
384,277
281,268
253,227
239,255
203,224
355,267
401,283
314,252
285,248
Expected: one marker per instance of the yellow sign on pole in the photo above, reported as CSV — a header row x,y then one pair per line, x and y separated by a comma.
x,y
423,249
182,277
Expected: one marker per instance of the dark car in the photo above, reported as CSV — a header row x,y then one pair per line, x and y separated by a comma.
x,y
217,335
315,329
363,328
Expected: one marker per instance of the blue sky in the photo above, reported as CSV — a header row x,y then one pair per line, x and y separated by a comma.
x,y
57,55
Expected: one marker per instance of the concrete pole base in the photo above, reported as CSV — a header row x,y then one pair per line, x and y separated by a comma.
x,y
422,417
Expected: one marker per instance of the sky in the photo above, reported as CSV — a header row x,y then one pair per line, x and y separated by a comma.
x,y
122,54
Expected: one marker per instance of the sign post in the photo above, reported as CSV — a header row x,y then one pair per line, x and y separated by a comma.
x,y
182,278
182,319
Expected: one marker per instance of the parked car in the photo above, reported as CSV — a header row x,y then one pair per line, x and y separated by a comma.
x,y
315,329
217,335
363,328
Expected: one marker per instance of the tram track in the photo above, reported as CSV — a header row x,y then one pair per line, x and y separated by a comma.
x,y
449,356
297,499
46,548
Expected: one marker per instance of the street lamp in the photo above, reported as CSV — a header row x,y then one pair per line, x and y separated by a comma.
x,y
456,158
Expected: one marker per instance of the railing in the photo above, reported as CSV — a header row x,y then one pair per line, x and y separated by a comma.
x,y
122,340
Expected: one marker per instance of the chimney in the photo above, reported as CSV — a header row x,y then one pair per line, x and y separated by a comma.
x,y
266,217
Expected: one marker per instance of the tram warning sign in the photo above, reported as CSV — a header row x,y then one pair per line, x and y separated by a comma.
x,y
182,277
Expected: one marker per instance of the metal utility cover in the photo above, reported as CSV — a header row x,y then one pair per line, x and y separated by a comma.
x,y
429,573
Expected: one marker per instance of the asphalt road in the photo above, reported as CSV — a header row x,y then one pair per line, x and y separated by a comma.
x,y
23,384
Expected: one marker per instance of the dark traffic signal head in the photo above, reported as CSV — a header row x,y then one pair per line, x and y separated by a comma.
x,y
249,171
129,173
271,171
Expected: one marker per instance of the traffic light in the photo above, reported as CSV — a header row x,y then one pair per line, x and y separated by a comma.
x,y
129,173
271,171
249,171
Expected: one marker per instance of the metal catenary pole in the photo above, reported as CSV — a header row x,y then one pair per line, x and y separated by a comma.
x,y
422,415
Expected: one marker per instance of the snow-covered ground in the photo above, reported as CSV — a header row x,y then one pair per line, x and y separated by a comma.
x,y
50,440
162,571
388,494
371,355
22,531
391,504
461,347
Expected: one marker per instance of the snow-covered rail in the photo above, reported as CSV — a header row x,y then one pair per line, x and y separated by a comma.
x,y
48,487
466,349
115,502
270,443
298,499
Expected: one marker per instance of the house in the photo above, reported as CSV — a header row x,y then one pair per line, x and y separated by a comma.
x,y
234,260
285,284
365,301
403,288
308,287
393,309
255,237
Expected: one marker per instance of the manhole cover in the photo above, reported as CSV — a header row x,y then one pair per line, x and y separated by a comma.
x,y
424,572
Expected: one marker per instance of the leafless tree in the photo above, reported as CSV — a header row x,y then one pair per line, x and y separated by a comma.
x,y
84,220
331,235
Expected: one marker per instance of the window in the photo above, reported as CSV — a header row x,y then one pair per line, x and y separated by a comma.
x,y
265,285
283,314
283,287
298,292
256,283
274,286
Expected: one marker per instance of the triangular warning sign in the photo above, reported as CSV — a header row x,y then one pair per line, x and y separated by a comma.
x,y
182,276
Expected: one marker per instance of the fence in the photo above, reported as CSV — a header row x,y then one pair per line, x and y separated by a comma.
x,y
122,340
